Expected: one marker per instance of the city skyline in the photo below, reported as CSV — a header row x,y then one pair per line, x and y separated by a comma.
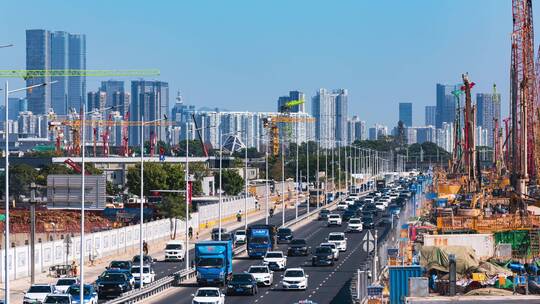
x,y
196,76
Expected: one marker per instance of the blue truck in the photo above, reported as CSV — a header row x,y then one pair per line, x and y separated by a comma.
x,y
213,262
260,239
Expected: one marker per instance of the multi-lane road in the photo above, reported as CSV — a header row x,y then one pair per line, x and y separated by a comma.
x,y
324,284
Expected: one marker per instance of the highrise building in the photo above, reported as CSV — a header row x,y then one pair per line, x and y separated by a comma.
x,y
96,100
60,50
293,95
149,100
181,112
446,104
378,132
16,105
430,115
405,113
411,135
111,87
489,110
330,112
426,134
342,97
362,130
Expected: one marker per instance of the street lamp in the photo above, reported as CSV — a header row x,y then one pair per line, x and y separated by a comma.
x,y
141,215
220,177
6,200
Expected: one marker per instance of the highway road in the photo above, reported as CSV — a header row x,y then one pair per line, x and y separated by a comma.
x,y
324,282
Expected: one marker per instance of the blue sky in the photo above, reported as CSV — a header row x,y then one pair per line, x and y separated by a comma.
x,y
242,55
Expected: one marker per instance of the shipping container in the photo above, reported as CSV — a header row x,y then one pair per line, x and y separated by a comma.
x,y
518,239
483,244
399,281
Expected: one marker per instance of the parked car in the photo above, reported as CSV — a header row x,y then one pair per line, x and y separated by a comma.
x,y
90,294
63,284
262,274
275,260
208,295
334,220
174,251
148,275
242,283
339,239
322,256
295,278
284,235
112,284
298,247
58,298
37,293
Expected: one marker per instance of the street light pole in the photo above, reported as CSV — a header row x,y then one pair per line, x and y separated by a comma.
x,y
6,200
282,184
307,171
187,193
266,186
141,211
220,180
317,176
246,176
298,182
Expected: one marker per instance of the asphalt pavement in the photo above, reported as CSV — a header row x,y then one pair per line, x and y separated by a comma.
x,y
324,281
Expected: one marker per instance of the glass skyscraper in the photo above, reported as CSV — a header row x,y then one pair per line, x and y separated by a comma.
x,y
59,50
405,113
446,105
149,99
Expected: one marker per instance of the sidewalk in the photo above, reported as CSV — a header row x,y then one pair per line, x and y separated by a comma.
x,y
20,286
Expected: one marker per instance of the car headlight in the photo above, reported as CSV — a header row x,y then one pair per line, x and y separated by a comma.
x,y
120,285
330,256
230,286
249,286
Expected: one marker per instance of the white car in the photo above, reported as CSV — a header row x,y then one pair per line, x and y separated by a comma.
x,y
334,219
349,201
208,295
380,205
342,205
240,237
354,225
63,284
295,278
262,274
334,248
394,195
275,260
55,298
174,251
339,239
37,293
148,274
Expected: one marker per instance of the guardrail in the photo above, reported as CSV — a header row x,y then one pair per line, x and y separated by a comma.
x,y
155,287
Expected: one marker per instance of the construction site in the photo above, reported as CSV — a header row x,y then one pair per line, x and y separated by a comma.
x,y
475,237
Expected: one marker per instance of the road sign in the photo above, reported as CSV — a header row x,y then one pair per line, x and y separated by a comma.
x,y
2,217
368,236
368,246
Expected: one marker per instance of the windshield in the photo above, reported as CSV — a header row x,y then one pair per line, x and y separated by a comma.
x,y
325,250
66,282
120,264
284,231
336,237
240,232
334,216
76,291
294,273
274,255
258,269
138,270
137,259
210,262
298,242
173,246
241,277
325,211
113,276
207,293
40,289
259,240
354,222
57,299
329,245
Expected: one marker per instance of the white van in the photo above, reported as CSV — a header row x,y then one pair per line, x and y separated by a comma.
x,y
175,251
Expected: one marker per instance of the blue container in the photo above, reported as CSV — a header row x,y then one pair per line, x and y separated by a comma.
x,y
441,202
399,281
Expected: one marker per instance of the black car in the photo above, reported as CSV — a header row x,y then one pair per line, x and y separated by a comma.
x,y
322,256
298,247
347,215
147,260
367,222
112,284
242,283
323,215
124,265
215,233
284,235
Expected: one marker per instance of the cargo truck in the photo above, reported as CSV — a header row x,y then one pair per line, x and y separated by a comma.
x,y
260,239
213,262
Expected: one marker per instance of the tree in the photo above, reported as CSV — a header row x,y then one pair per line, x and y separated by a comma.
x,y
111,189
20,178
155,177
173,206
233,183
